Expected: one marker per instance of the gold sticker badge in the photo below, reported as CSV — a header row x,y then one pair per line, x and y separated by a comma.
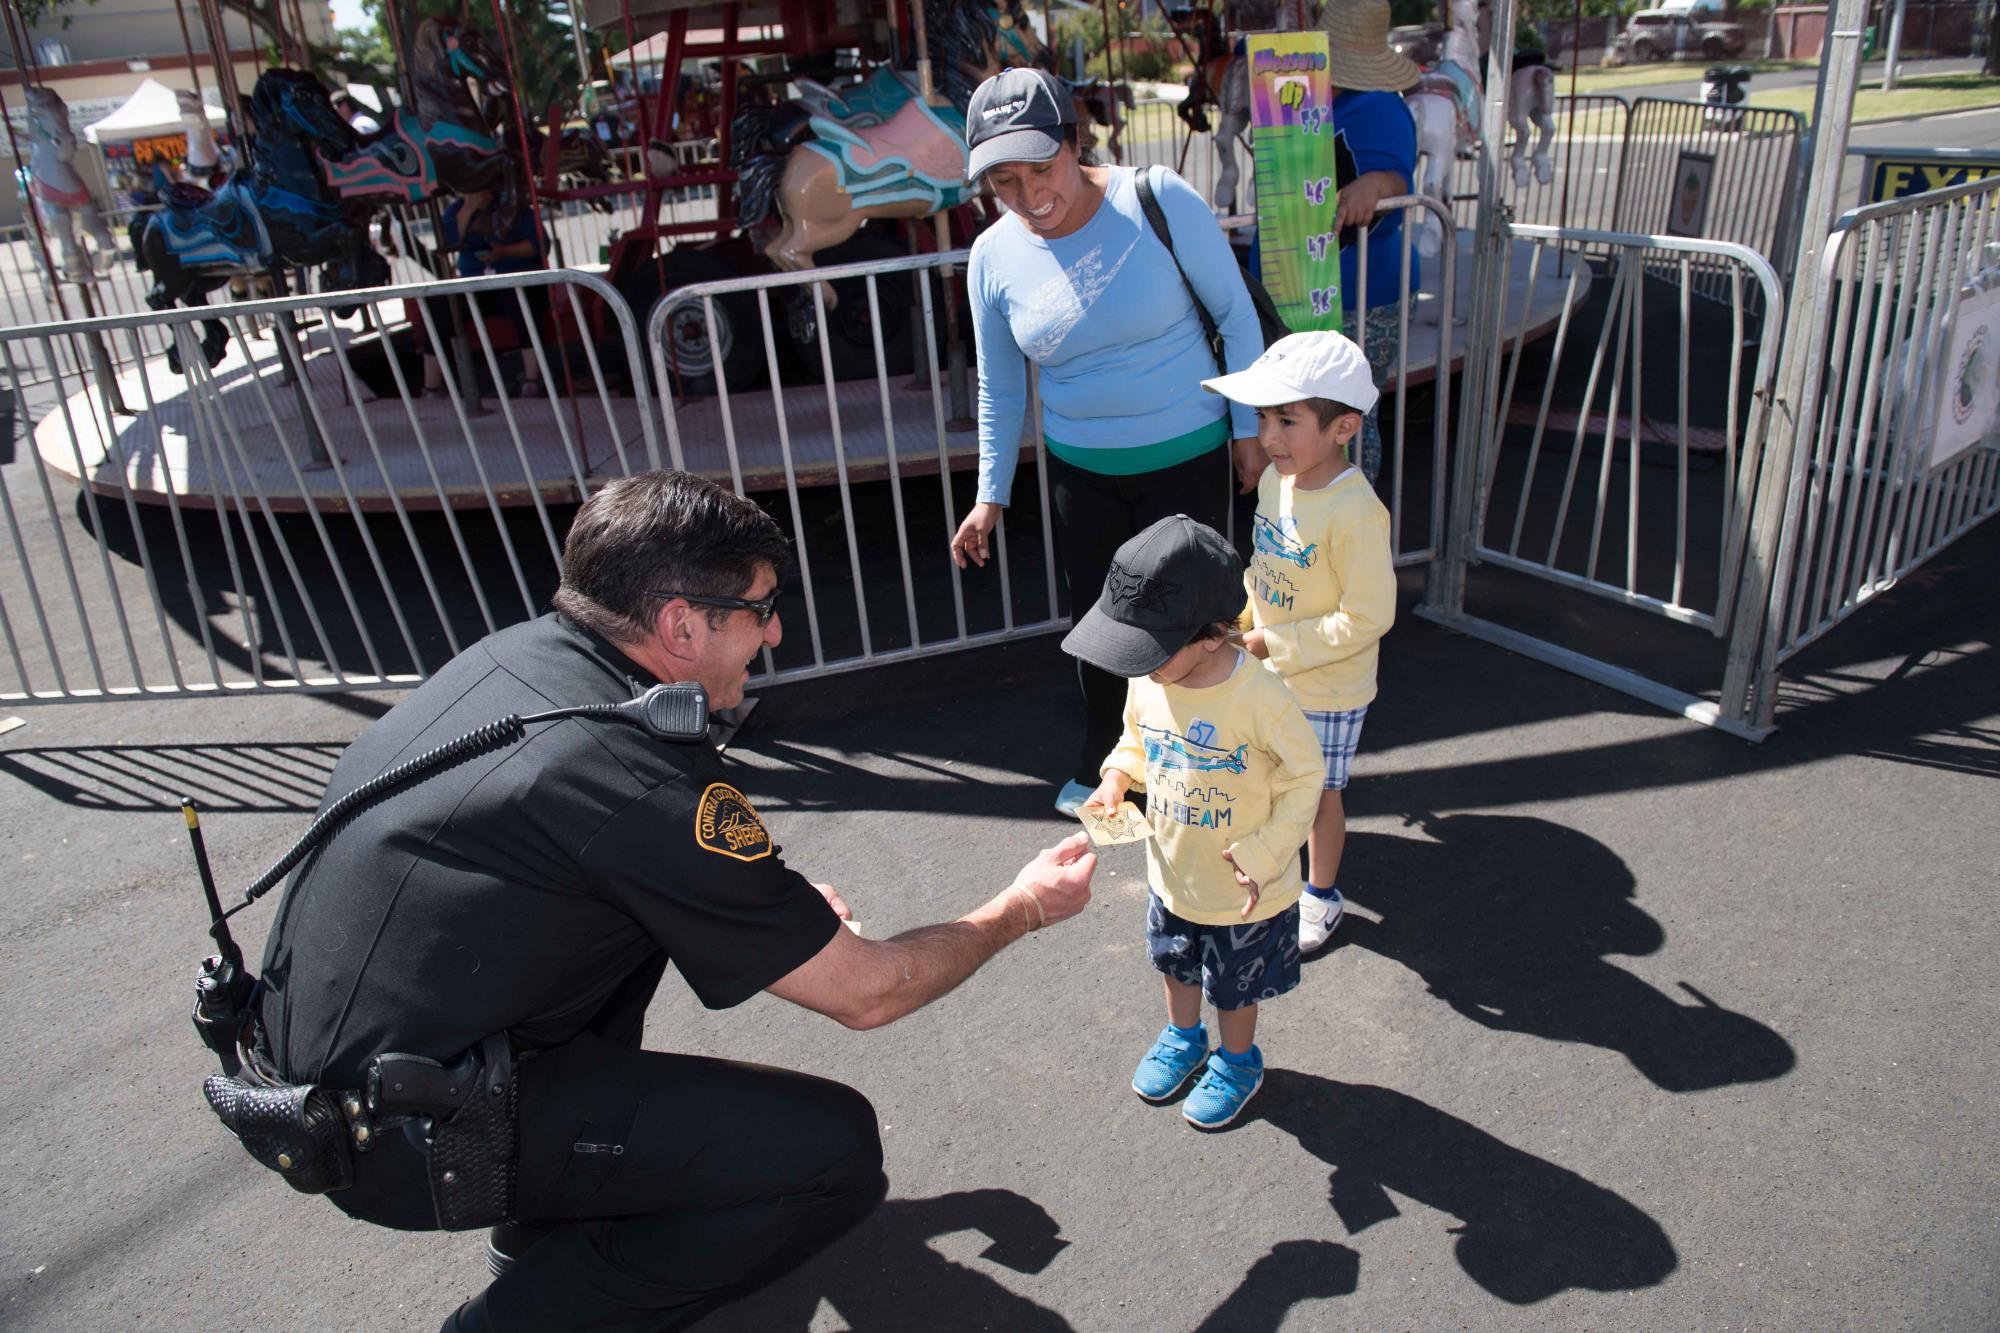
x,y
726,823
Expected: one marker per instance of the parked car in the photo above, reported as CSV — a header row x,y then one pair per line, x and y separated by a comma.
x,y
1656,34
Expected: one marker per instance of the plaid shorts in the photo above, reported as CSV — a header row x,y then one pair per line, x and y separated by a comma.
x,y
1234,965
1339,735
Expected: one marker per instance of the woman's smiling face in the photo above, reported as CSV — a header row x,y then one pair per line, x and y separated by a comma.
x,y
1044,194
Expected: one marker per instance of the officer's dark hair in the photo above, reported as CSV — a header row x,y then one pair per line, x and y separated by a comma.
x,y
659,532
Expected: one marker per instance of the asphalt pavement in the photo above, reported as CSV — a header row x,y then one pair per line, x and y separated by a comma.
x,y
1631,1024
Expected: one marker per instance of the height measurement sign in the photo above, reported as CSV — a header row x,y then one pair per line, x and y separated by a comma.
x,y
1291,119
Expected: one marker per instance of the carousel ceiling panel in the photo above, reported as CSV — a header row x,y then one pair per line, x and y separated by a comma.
x,y
650,16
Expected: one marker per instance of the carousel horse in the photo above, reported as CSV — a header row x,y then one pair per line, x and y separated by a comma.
x,y
1531,101
444,144
59,193
1221,79
277,212
1446,107
204,157
826,176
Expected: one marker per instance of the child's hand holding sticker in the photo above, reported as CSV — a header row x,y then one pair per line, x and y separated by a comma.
x,y
1123,824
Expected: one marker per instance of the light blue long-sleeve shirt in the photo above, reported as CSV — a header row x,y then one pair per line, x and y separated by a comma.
x,y
1107,320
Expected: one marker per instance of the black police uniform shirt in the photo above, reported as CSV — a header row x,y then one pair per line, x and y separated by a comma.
x,y
522,889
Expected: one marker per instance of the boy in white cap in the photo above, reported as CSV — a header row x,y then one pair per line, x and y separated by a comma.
x,y
1322,579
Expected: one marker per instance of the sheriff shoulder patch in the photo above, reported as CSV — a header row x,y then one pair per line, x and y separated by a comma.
x,y
727,824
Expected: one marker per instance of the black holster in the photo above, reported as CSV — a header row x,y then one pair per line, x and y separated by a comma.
x,y
476,1149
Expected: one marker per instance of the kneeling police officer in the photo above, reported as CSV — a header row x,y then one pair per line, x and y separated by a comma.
x,y
464,965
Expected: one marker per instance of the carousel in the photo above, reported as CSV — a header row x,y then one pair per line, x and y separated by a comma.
x,y
633,288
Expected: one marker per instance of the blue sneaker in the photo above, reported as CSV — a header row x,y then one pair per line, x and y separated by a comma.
x,y
1219,1097
1169,1064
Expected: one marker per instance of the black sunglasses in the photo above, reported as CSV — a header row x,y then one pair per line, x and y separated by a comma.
x,y
763,607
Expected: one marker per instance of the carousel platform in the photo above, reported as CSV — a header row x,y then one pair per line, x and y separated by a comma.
x,y
244,437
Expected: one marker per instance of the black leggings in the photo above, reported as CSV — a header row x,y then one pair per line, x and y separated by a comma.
x,y
1095,515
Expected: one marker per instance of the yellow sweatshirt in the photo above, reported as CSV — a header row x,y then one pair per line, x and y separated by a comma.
x,y
1322,587
1233,767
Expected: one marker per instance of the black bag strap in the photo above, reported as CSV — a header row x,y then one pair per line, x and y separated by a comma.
x,y
1157,216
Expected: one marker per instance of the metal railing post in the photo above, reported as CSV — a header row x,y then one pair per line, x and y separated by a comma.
x,y
1750,676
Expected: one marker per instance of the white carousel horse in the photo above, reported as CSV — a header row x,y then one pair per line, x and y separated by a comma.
x,y
1446,105
1531,100
204,157
59,193
1222,77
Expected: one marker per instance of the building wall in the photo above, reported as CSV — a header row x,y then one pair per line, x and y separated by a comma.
x,y
113,46
118,30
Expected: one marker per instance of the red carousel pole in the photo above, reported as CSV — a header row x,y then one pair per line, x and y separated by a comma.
x,y
520,116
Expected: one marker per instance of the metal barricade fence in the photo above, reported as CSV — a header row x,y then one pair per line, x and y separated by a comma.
x,y
304,515
1587,157
1725,173
1606,463
858,422
1865,501
27,297
1154,135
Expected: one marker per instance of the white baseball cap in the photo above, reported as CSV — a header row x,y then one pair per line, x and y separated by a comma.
x,y
1321,364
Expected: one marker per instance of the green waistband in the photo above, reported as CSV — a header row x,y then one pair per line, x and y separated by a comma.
x,y
1131,460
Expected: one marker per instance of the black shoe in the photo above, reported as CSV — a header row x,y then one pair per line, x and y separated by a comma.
x,y
507,1242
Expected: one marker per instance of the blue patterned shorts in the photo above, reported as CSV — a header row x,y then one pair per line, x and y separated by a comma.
x,y
1339,736
1234,965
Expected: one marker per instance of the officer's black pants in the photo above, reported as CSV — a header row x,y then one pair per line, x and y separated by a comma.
x,y
1095,515
702,1178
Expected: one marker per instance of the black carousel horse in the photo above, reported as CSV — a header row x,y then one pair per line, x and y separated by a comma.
x,y
276,213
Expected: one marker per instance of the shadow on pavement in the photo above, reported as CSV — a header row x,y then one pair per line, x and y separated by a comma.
x,y
1529,1228
227,778
885,1275
1293,1272
1508,919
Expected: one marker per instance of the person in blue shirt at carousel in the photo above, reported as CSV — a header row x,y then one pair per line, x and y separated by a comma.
x,y
1375,158
489,236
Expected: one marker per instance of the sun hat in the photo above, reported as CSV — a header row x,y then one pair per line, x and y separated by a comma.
x,y
1165,585
1359,57
1018,115
1319,364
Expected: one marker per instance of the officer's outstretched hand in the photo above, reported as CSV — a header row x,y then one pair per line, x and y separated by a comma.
x,y
1058,879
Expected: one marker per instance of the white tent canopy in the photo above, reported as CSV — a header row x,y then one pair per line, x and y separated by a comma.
x,y
151,110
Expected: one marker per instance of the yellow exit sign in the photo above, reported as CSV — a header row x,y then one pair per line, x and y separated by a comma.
x,y
1900,175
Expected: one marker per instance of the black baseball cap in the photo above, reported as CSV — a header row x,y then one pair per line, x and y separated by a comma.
x,y
1018,115
1165,585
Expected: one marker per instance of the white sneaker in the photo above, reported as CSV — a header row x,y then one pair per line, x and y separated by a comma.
x,y
1071,798
1317,918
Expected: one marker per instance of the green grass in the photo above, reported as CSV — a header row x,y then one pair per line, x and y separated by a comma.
x,y
1672,71
1929,95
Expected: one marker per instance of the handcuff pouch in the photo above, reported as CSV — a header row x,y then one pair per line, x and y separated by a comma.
x,y
295,1129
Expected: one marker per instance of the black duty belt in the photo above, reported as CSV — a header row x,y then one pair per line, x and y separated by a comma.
x,y
464,1115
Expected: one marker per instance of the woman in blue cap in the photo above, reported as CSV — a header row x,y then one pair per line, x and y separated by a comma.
x,y
1074,280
